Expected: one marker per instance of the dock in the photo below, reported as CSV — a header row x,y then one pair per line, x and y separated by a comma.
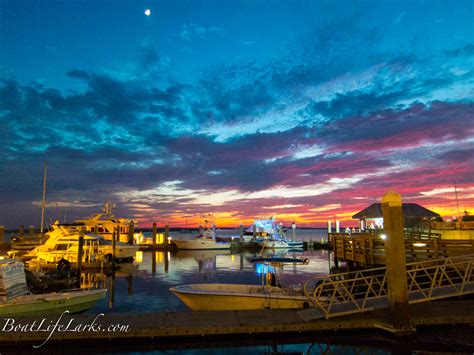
x,y
157,329
369,249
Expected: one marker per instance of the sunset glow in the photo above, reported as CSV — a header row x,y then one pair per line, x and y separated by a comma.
x,y
309,112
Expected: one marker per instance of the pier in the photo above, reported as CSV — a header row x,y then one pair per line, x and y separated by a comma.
x,y
157,329
369,249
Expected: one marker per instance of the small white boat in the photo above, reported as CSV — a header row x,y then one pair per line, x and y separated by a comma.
x,y
15,300
278,243
225,297
201,243
205,241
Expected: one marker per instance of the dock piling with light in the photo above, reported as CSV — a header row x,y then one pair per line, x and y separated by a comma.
x,y
395,260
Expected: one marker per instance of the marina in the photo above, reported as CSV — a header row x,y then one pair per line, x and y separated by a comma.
x,y
236,177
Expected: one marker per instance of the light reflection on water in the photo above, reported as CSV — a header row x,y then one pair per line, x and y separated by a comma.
x,y
143,286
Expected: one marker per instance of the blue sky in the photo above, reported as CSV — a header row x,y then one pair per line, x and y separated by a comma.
x,y
305,109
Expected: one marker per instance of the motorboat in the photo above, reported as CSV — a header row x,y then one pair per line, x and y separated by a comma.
x,y
62,243
205,241
225,297
105,223
15,299
269,234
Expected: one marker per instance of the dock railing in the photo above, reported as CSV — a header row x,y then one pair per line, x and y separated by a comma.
x,y
369,249
366,290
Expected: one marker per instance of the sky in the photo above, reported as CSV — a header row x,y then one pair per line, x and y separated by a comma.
x,y
305,110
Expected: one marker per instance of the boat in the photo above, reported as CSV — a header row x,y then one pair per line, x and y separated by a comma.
x,y
105,223
62,243
205,241
269,234
15,299
226,297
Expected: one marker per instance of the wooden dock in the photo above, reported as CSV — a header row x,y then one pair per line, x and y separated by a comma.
x,y
156,328
369,249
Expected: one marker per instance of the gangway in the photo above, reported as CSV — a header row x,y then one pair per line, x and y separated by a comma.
x,y
366,290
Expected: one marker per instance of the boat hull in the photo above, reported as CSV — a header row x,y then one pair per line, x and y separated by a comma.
x,y
199,244
52,303
226,297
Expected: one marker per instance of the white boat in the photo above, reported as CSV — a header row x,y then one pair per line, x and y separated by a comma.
x,y
63,243
269,234
225,297
201,243
206,240
103,224
15,300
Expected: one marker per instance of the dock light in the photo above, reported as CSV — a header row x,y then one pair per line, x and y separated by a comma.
x,y
383,236
169,239
419,244
233,238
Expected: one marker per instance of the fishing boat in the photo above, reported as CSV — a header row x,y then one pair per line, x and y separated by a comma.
x,y
205,241
269,234
225,297
15,299
62,243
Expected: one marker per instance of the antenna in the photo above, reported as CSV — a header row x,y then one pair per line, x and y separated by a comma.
x,y
43,201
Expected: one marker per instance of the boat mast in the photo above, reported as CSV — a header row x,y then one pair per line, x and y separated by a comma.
x,y
43,201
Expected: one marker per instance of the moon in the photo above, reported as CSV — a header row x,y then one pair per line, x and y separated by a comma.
x,y
147,12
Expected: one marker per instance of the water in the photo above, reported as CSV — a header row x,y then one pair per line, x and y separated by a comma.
x,y
143,286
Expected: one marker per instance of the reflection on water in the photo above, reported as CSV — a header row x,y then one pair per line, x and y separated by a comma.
x,y
143,285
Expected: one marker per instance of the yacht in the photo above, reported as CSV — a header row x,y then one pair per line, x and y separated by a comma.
x,y
105,223
62,243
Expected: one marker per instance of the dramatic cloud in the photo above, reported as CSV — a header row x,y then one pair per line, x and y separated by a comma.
x,y
312,127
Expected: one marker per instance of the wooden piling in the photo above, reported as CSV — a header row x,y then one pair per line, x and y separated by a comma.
x,y
2,233
115,234
154,234
31,231
241,235
254,231
80,252
131,230
21,230
395,260
166,242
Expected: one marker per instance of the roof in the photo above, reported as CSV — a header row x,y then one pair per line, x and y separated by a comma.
x,y
410,210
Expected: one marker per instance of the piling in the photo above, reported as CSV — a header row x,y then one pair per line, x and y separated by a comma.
x,y
154,234
293,230
395,260
329,227
241,237
115,234
131,230
254,231
80,251
21,230
166,242
2,233
337,227
31,231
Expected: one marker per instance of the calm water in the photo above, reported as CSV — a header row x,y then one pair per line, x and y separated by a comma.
x,y
143,285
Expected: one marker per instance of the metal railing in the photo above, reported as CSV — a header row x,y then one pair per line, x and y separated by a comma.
x,y
365,290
